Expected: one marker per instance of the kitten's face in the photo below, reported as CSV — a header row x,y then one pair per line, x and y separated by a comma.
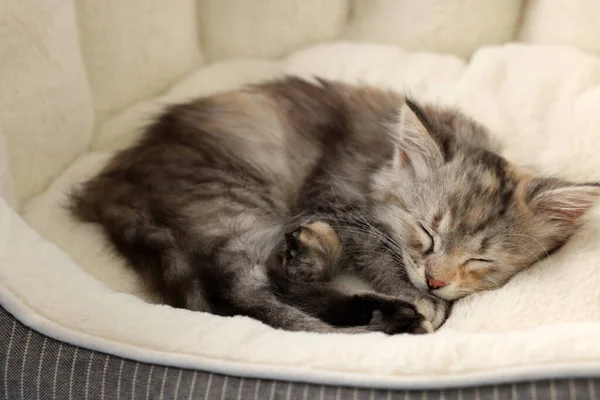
x,y
471,221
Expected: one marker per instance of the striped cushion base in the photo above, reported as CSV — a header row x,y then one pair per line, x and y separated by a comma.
x,y
33,366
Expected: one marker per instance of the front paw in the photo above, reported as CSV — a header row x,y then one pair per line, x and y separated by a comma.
x,y
389,315
434,309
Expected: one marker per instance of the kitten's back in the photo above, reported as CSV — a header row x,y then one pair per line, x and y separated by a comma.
x,y
224,166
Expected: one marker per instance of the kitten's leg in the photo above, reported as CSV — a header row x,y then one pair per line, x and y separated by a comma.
x,y
371,312
322,257
239,285
252,295
394,282
312,254
340,308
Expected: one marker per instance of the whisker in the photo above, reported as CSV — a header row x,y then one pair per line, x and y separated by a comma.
x,y
538,243
526,249
532,238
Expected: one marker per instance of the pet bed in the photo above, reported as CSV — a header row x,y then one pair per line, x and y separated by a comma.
x,y
79,81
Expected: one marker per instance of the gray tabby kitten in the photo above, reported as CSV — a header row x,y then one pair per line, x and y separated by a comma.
x,y
249,203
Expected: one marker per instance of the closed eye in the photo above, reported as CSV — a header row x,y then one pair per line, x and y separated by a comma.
x,y
481,260
429,248
477,263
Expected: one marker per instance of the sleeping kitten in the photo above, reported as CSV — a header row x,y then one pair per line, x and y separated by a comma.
x,y
249,202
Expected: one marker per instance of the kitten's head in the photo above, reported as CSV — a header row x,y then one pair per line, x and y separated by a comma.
x,y
465,218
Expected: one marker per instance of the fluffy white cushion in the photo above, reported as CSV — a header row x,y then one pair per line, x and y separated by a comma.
x,y
134,49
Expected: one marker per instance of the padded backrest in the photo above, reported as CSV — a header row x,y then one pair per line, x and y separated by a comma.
x,y
560,22
134,49
453,26
69,65
6,184
266,28
45,105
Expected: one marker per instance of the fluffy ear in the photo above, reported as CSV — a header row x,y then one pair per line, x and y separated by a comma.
x,y
562,201
415,149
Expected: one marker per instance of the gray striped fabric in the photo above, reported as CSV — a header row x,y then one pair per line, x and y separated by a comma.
x,y
33,366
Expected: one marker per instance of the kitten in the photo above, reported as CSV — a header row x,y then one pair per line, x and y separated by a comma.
x,y
249,202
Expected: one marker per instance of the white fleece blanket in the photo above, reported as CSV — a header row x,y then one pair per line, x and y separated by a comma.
x,y
542,103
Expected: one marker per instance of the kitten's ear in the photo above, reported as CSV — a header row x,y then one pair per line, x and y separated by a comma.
x,y
562,202
415,149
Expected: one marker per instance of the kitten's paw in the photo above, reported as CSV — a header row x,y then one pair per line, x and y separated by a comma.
x,y
434,309
390,315
311,252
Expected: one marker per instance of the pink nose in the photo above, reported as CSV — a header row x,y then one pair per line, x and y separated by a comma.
x,y
435,283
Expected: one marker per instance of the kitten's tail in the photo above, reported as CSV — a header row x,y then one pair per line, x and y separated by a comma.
x,y
143,231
